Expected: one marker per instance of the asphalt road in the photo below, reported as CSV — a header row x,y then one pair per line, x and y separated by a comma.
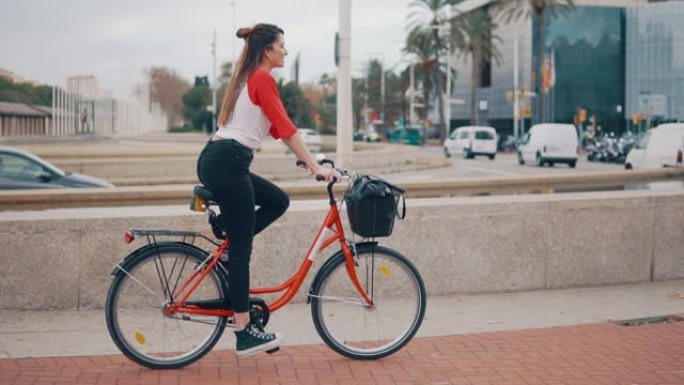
x,y
504,165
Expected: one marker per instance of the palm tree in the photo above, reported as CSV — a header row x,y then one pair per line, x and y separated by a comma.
x,y
473,35
424,27
535,9
419,46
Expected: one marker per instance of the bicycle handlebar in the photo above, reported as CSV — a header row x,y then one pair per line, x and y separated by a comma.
x,y
320,178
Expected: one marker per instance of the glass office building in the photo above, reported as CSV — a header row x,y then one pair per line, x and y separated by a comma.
x,y
611,62
586,48
655,61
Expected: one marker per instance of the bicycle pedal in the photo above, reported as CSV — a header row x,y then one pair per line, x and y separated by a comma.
x,y
274,350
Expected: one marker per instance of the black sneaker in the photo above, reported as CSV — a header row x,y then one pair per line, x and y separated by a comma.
x,y
251,341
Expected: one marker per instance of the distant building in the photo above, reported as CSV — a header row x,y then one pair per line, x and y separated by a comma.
x,y
655,61
14,78
8,75
17,119
605,58
84,86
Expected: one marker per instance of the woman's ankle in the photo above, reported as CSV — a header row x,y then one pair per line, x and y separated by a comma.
x,y
241,321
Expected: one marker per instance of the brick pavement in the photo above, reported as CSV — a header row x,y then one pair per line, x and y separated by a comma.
x,y
594,354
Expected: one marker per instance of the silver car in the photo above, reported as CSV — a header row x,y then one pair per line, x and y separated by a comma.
x,y
20,169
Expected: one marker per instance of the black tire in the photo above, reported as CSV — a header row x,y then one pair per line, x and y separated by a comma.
x,y
628,166
540,160
118,285
491,157
466,154
521,160
447,154
572,164
320,307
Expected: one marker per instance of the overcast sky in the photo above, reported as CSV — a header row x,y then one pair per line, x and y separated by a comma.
x,y
116,40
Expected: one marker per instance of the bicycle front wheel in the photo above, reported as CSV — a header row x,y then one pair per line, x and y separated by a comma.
x,y
135,314
352,328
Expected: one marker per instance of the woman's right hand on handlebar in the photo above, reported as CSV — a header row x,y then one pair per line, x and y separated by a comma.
x,y
329,174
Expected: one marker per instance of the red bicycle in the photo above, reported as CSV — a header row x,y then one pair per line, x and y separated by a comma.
x,y
168,305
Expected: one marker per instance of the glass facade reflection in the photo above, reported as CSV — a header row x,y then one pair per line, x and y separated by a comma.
x,y
613,62
589,61
589,55
655,61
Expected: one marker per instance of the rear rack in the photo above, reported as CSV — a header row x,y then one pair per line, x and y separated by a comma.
x,y
151,235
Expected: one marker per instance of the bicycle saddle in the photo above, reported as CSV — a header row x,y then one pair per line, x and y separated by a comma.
x,y
204,193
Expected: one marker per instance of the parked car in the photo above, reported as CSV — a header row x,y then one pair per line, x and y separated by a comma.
x,y
359,136
311,138
20,169
659,147
550,143
470,141
410,135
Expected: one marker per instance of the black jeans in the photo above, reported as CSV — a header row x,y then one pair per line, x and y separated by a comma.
x,y
223,168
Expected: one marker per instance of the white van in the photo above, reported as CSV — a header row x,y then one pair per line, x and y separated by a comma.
x,y
550,143
470,141
659,147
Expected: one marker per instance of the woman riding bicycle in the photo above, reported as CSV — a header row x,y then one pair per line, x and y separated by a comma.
x,y
250,110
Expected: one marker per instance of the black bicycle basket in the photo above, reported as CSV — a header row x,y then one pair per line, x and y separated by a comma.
x,y
372,206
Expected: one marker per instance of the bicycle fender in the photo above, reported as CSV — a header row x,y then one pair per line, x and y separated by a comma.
x,y
333,259
140,250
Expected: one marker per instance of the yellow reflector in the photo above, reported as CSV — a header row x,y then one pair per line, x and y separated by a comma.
x,y
140,338
384,270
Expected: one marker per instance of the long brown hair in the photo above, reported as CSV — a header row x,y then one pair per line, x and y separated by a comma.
x,y
257,39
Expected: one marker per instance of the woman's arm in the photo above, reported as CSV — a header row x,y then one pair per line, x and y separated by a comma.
x,y
302,153
264,93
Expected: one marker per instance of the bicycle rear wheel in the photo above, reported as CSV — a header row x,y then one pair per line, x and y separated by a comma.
x,y
352,328
135,317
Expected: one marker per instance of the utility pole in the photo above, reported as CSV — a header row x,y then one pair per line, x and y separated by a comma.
x,y
516,85
214,84
447,109
366,119
412,89
447,105
382,92
344,108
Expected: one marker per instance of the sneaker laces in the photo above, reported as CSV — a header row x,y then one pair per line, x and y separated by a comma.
x,y
254,331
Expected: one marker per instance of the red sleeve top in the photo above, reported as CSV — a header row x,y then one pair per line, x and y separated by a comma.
x,y
264,93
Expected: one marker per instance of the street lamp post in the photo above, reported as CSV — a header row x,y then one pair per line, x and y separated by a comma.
x,y
344,108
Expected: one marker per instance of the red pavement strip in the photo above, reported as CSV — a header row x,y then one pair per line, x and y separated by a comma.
x,y
577,355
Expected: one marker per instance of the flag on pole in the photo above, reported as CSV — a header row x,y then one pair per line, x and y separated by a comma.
x,y
546,74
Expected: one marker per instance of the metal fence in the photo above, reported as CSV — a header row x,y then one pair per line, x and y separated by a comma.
x,y
75,115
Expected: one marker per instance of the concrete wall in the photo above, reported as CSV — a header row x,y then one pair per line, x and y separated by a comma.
x,y
128,170
62,258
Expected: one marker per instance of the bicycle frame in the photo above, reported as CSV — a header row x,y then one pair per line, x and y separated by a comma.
x,y
332,224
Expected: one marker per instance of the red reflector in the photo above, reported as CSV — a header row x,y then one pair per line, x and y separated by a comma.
x,y
128,237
